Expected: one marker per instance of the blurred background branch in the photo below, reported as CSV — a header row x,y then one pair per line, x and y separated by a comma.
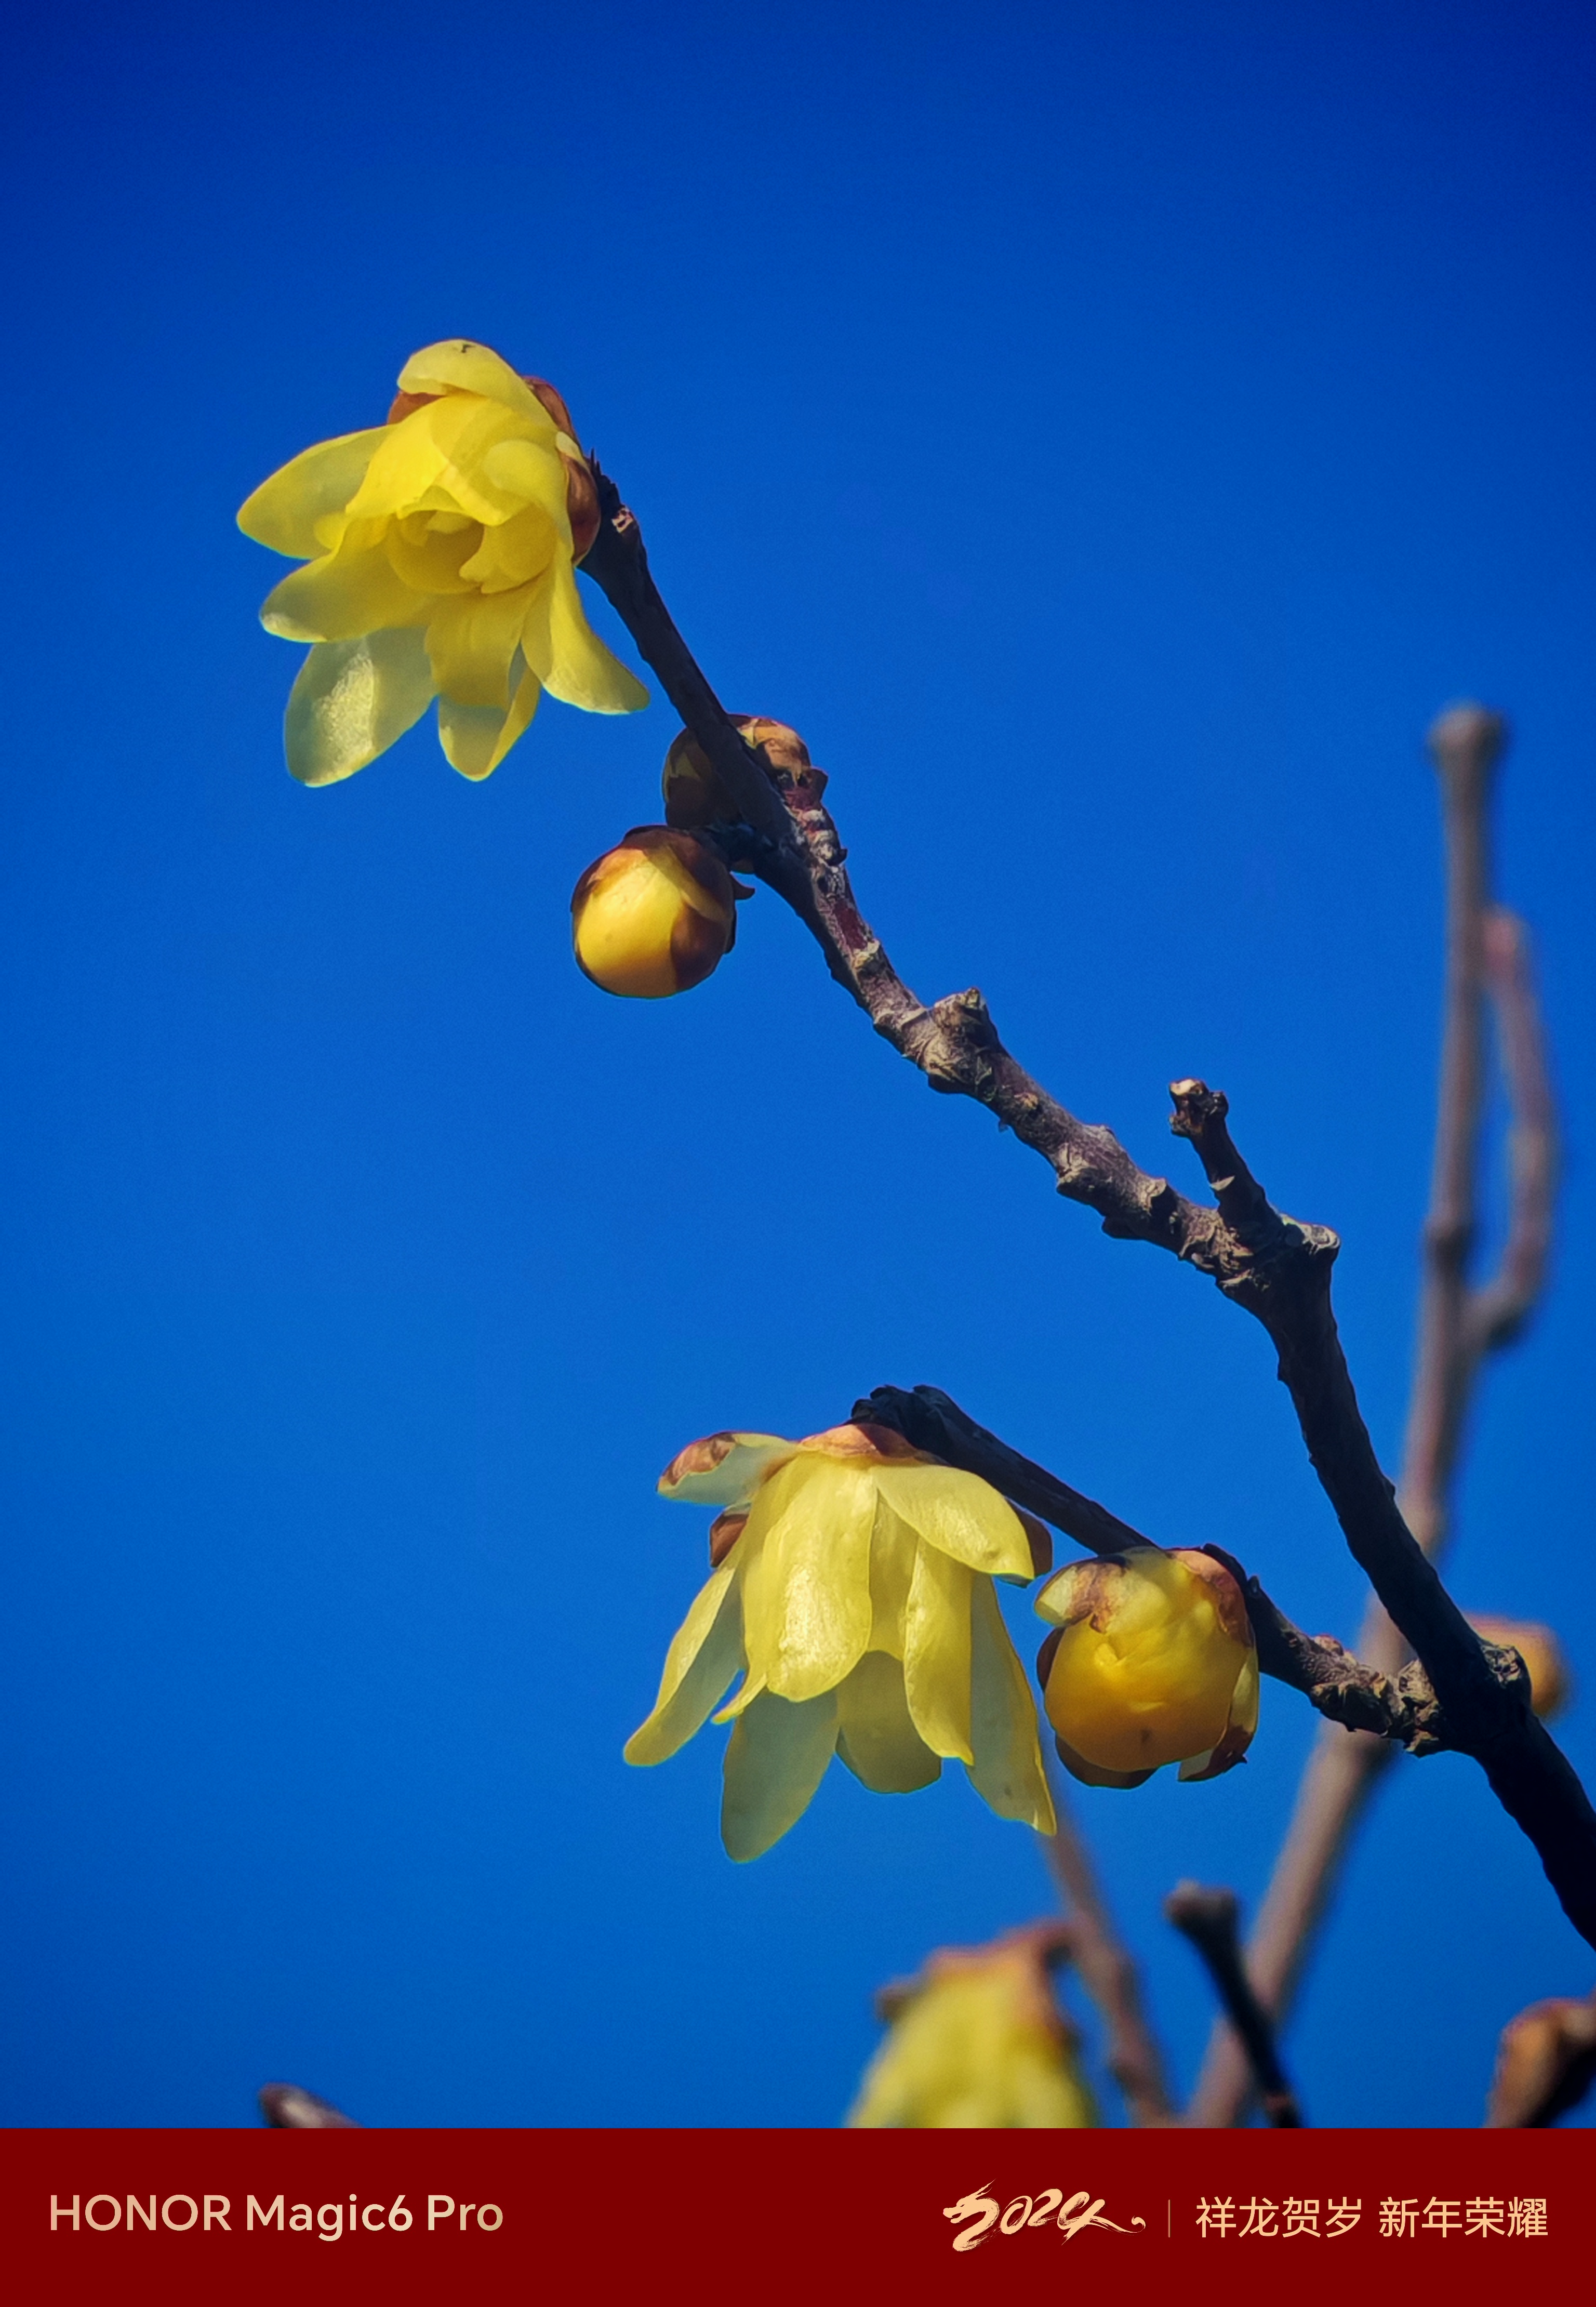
x,y
1460,1323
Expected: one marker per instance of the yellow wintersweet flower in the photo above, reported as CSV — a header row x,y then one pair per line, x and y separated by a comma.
x,y
440,559
978,2043
853,1590
1155,1662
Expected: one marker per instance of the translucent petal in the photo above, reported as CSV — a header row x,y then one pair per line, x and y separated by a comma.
x,y
459,366
775,1760
284,511
727,1478
340,594
351,700
875,1736
475,738
937,1652
893,1549
470,638
1006,1771
567,655
806,1593
705,1654
742,1698
961,1515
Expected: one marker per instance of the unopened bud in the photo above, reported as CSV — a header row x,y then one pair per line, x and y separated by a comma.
x,y
694,794
1551,1685
653,916
1154,1662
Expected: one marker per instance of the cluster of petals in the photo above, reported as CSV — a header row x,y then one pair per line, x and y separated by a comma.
x,y
440,559
1152,1661
978,2043
852,1594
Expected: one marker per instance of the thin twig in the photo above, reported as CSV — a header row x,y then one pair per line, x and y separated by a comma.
x,y
1546,2063
1208,1917
1108,1972
1460,1323
1277,1268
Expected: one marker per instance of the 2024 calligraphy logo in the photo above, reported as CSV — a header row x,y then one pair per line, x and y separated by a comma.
x,y
1049,2208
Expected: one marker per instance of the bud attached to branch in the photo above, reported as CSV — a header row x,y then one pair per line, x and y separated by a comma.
x,y
1154,1661
1551,1685
653,916
693,793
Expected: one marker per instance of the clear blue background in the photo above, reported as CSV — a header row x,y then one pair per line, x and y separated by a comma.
x,y
1109,433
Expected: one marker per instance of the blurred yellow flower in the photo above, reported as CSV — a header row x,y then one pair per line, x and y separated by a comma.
x,y
1154,1662
978,2043
853,1589
439,555
1551,1683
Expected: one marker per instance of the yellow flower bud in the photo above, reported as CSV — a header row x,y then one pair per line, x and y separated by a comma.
x,y
1154,1662
694,794
1551,1685
653,916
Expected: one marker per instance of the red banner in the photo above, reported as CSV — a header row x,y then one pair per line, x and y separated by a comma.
x,y
820,2217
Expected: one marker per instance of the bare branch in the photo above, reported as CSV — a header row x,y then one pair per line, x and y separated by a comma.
x,y
1546,2063
1459,1324
285,2106
1109,1974
1208,1919
1277,1268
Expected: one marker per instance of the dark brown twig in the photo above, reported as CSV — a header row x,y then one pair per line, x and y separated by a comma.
x,y
1276,1268
285,2106
1208,1917
1546,2063
1460,1323
1402,1711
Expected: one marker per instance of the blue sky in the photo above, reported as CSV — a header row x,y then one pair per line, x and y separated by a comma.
x,y
1109,434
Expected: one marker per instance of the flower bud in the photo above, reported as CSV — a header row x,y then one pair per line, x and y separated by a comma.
x,y
1551,1685
653,916
693,793
1154,1662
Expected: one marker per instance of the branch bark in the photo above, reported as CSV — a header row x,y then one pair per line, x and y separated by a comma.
x,y
1460,1325
1276,1268
1208,1919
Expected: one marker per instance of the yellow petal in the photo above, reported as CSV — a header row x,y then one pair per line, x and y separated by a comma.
x,y
742,1698
724,1469
340,595
459,366
962,1516
776,1758
875,1736
284,511
1006,1771
937,1652
471,638
435,460
893,1549
806,1593
567,655
350,702
533,472
705,1654
475,738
